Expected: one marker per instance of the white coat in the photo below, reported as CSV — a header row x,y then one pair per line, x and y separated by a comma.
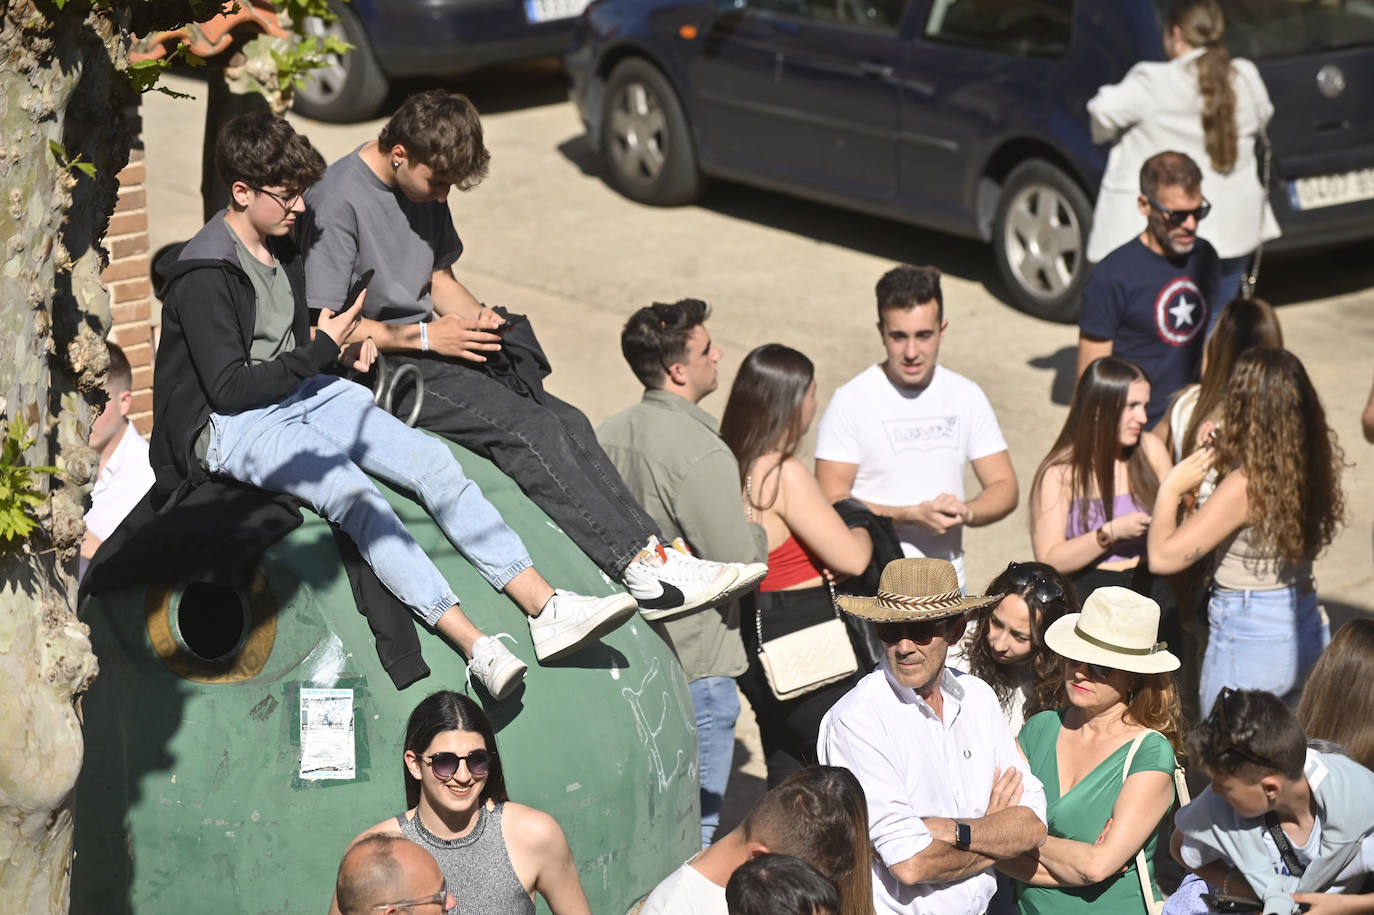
x,y
1158,107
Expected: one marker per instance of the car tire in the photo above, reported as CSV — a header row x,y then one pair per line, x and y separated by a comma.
x,y
352,87
648,146
1040,240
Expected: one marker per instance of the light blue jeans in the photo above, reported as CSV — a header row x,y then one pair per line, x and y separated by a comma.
x,y
1265,640
716,702
316,444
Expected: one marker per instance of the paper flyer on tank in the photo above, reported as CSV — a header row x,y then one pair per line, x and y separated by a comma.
x,y
327,750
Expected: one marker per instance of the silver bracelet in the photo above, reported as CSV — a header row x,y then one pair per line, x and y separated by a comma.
x,y
424,337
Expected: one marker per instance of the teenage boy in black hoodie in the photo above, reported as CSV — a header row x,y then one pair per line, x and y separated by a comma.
x,y
239,393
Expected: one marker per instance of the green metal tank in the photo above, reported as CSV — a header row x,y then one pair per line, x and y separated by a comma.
x,y
226,771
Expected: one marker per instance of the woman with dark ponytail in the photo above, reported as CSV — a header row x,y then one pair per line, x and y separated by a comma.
x,y
1200,102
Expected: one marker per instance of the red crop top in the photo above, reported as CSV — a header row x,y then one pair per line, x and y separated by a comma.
x,y
788,565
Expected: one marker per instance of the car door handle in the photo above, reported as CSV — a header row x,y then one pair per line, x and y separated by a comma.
x,y
874,70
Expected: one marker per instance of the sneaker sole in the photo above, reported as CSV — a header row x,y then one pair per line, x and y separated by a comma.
x,y
566,643
511,675
745,583
725,586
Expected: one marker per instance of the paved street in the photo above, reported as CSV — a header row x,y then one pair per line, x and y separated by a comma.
x,y
545,235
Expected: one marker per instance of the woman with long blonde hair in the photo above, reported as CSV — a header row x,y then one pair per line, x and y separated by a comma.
x,y
1201,102
1278,503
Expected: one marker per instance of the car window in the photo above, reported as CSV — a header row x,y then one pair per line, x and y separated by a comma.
x,y
1269,29
882,15
1033,28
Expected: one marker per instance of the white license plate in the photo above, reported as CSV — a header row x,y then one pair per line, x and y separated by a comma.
x,y
1329,190
549,10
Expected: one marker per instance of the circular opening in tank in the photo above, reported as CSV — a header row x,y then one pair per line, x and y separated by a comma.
x,y
210,621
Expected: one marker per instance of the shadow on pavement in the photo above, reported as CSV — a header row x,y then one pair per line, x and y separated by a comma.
x,y
1064,364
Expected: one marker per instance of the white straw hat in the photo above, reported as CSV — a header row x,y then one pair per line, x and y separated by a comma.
x,y
1118,628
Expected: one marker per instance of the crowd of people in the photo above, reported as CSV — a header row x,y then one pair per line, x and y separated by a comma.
x,y
928,750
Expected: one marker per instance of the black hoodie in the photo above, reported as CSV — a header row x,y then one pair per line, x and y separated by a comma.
x,y
203,366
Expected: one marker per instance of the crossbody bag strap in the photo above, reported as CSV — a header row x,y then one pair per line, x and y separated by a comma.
x,y
1142,869
1290,858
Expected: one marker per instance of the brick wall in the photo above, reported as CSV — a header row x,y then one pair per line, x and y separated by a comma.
x,y
127,279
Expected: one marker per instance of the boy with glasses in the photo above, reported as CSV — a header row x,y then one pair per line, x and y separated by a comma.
x,y
1281,822
1150,300
239,393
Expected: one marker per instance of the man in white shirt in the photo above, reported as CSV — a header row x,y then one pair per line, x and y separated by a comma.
x,y
898,435
813,815
949,795
125,474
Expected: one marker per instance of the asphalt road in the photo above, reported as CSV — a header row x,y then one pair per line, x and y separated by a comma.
x,y
544,235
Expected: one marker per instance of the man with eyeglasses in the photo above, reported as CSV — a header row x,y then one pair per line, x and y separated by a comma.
x,y
1150,300
390,874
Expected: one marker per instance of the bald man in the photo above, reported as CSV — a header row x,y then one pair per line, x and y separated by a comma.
x,y
390,874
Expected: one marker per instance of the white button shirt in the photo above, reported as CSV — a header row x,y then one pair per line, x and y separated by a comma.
x,y
912,764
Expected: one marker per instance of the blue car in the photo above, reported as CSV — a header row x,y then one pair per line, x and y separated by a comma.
x,y
965,116
395,39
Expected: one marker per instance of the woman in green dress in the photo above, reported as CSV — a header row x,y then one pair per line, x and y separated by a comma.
x,y
1122,702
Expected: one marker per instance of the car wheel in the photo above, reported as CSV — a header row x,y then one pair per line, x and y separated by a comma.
x,y
645,135
1040,239
351,86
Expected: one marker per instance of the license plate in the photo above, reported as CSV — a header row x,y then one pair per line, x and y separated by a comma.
x,y
549,10
1330,190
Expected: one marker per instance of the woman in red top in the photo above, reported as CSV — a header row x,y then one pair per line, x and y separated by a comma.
x,y
770,410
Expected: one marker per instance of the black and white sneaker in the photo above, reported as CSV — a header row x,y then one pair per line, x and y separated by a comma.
x,y
666,582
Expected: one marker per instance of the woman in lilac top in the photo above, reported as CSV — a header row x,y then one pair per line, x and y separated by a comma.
x,y
1091,496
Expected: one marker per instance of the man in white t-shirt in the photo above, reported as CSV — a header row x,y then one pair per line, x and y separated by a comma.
x,y
898,435
811,816
125,474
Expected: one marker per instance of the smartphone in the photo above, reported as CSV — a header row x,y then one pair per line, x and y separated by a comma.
x,y
1219,902
357,288
512,322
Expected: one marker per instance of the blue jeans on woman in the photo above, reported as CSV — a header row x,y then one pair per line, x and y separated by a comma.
x,y
1265,640
316,444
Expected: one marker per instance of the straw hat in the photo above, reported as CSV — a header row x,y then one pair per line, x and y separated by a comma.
x,y
1118,629
914,590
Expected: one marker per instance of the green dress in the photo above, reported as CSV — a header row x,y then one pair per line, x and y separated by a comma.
x,y
1081,814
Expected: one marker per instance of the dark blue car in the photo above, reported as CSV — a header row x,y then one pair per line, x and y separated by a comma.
x,y
966,116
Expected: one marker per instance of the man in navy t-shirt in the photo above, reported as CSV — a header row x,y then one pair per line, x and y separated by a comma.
x,y
1149,300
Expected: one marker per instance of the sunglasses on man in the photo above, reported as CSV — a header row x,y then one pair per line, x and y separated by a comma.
x,y
1179,217
440,899
919,632
445,765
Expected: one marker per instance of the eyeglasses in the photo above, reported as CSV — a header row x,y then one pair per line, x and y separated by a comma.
x,y
1178,217
445,765
1231,746
1045,589
287,201
920,633
440,899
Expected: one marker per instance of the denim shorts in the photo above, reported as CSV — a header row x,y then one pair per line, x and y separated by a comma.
x,y
1265,640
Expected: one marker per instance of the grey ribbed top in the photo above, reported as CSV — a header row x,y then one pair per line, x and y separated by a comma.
x,y
477,865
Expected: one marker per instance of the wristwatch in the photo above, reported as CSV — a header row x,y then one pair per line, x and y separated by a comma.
x,y
963,835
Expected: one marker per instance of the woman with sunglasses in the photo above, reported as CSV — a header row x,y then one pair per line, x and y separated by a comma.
x,y
495,854
1200,102
1006,646
1106,759
771,406
1278,503
1091,496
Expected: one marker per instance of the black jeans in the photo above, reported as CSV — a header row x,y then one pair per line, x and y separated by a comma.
x,y
787,728
545,445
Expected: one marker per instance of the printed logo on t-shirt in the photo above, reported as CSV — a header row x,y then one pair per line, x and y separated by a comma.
x,y
1180,312
925,434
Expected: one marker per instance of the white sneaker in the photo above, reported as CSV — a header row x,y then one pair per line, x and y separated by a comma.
x,y
748,573
570,620
668,582
495,667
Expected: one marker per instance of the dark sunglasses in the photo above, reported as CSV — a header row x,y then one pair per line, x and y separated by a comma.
x,y
1177,217
920,633
1231,746
445,765
1045,589
1097,671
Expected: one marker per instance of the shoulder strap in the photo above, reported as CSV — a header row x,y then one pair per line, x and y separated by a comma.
x,y
1290,858
1142,869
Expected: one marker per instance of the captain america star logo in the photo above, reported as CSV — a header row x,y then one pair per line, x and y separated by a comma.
x,y
1180,312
